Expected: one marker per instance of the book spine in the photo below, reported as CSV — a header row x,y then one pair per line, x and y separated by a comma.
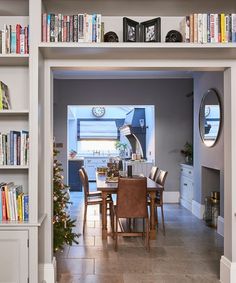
x,y
13,40
200,32
187,29
94,28
68,29
71,35
26,40
0,204
18,28
26,207
1,41
56,28
222,16
75,28
81,27
219,28
22,41
52,28
59,28
216,28
212,28
233,27
48,27
1,96
8,215
195,26
4,207
64,28
44,27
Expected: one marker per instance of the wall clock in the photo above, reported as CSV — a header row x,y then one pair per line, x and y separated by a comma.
x,y
98,111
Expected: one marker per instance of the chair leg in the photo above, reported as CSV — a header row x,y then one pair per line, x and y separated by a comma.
x,y
147,234
163,222
116,234
112,218
85,216
156,216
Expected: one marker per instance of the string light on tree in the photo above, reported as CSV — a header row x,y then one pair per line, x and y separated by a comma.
x,y
62,223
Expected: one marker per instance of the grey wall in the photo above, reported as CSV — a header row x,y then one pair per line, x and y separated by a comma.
x,y
212,157
173,112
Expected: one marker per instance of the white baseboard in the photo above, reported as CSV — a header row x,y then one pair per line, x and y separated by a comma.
x,y
227,270
198,209
47,272
186,204
220,226
170,197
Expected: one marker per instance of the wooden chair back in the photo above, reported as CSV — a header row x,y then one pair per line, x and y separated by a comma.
x,y
161,177
85,183
132,198
153,172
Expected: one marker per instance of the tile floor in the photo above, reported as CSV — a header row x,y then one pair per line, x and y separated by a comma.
x,y
190,252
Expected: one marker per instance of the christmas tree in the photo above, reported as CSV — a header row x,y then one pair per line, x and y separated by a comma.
x,y
62,223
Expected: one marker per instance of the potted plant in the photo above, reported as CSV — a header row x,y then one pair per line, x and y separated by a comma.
x,y
187,151
121,147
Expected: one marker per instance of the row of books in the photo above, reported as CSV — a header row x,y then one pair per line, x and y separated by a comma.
x,y
14,203
209,28
73,28
14,148
14,39
4,97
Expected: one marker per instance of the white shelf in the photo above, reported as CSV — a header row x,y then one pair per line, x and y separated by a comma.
x,y
13,167
141,50
12,112
14,59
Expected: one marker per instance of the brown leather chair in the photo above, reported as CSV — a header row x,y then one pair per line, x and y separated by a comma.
x,y
132,203
93,199
153,173
160,180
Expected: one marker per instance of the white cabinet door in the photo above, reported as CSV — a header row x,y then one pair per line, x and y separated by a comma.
x,y
13,256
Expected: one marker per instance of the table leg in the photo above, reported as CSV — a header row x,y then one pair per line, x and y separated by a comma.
x,y
152,216
104,215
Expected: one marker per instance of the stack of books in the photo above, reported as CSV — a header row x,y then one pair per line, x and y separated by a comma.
x,y
14,204
4,97
73,28
14,148
14,39
209,28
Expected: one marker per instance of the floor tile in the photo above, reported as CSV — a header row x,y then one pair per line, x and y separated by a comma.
x,y
190,251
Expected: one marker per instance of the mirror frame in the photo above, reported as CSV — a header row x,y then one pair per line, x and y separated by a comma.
x,y
221,116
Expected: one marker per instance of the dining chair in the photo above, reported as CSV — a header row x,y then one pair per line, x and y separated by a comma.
x,y
160,180
95,193
94,199
153,173
132,204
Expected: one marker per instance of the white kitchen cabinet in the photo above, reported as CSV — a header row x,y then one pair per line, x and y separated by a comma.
x,y
14,264
186,185
140,167
91,164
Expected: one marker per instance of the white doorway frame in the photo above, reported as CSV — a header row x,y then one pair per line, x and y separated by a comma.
x,y
228,260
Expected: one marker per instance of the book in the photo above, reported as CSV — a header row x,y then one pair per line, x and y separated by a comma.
x,y
233,27
25,202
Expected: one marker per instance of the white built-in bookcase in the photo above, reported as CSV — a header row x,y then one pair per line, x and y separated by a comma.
x,y
28,80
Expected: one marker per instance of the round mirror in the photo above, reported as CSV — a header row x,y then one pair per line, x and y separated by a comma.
x,y
210,117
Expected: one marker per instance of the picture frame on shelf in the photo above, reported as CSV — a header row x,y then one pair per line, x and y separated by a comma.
x,y
130,30
151,30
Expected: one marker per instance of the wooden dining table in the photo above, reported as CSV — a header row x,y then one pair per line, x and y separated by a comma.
x,y
111,188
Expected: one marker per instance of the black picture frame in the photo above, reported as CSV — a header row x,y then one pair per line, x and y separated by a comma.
x,y
130,30
151,30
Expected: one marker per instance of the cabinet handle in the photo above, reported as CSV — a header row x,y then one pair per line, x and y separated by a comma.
x,y
185,184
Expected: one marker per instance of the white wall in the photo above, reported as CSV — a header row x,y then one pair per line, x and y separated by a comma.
x,y
173,112
212,157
